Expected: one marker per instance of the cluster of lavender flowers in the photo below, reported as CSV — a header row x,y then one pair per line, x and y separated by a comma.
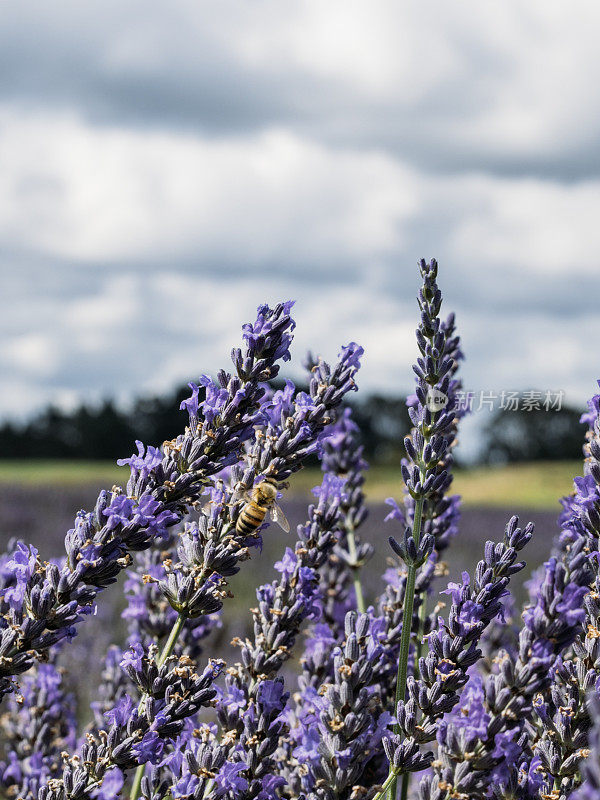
x,y
334,692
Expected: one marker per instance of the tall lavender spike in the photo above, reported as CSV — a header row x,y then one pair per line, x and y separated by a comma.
x,y
47,603
174,692
345,727
36,729
342,457
284,606
428,517
453,649
440,511
425,472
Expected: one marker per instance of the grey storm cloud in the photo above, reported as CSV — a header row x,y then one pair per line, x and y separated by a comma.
x,y
168,166
449,89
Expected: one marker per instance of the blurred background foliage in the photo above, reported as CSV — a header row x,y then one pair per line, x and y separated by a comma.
x,y
106,431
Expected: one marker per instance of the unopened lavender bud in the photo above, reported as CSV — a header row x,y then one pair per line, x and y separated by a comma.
x,y
425,548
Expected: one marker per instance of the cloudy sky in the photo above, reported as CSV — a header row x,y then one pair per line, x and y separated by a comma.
x,y
167,166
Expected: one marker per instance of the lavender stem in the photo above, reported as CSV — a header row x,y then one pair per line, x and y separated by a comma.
x,y
171,641
405,784
409,601
360,599
386,786
166,652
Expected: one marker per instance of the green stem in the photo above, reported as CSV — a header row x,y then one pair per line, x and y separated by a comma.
x,y
137,782
405,783
422,620
407,614
422,612
173,636
358,591
386,786
166,652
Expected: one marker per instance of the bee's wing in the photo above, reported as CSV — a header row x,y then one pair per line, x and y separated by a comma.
x,y
278,516
241,494
207,504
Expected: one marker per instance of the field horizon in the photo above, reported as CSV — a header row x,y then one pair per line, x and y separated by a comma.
x,y
536,485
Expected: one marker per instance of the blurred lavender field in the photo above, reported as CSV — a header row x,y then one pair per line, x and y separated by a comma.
x,y
42,515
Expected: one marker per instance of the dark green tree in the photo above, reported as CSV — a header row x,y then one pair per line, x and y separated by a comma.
x,y
536,435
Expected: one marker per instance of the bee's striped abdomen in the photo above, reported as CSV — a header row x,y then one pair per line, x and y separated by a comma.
x,y
251,517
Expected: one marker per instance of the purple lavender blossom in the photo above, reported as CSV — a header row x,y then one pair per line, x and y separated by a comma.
x,y
428,517
452,650
20,566
228,778
342,461
348,720
49,602
36,729
144,462
174,691
520,723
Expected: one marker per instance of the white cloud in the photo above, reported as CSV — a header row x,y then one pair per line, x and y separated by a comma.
x,y
116,306
72,190
451,84
167,168
32,354
532,225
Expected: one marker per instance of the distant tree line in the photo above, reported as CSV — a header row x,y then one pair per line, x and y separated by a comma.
x,y
535,435
106,432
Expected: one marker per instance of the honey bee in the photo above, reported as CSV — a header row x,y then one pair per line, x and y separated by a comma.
x,y
261,499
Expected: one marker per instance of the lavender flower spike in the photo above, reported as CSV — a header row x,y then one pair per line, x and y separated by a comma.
x,y
348,719
37,727
136,736
453,649
425,473
253,701
47,602
342,457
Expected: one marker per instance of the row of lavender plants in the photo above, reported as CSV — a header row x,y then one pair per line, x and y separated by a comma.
x,y
329,698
